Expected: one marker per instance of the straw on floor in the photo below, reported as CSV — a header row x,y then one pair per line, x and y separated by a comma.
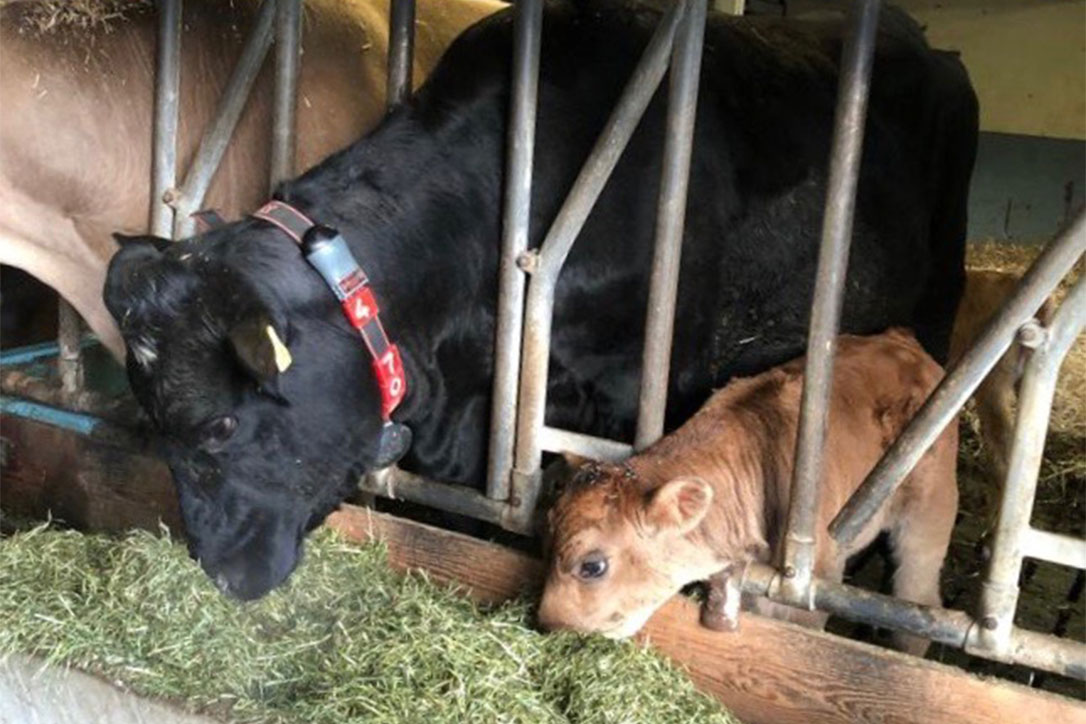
x,y
346,640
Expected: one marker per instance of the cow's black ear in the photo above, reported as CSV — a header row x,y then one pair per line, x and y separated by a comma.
x,y
155,242
259,348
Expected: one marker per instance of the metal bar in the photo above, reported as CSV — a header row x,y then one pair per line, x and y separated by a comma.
x,y
401,48
552,439
563,232
392,482
1037,283
69,345
953,628
31,352
75,421
288,31
999,592
857,59
670,216
1063,549
167,86
527,28
217,137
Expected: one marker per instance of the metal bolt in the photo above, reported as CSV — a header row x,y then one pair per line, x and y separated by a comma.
x,y
170,197
989,623
789,572
528,261
1031,334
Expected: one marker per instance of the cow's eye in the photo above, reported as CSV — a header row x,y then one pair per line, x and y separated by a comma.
x,y
218,430
593,566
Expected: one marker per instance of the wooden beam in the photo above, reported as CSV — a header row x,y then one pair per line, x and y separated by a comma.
x,y
82,481
768,671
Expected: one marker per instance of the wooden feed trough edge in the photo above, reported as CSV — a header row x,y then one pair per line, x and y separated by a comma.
x,y
769,671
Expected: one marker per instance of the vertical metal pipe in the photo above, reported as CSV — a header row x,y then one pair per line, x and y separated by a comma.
x,y
288,29
69,357
527,28
960,382
670,216
999,593
401,48
217,137
539,310
856,61
167,90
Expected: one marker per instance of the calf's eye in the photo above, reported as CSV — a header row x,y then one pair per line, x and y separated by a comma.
x,y
593,566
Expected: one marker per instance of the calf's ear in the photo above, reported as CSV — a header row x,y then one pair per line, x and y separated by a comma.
x,y
259,348
679,505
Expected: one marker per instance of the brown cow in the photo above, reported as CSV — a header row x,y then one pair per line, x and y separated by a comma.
x,y
714,494
75,132
996,397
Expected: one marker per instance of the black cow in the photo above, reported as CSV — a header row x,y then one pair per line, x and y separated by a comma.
x,y
259,457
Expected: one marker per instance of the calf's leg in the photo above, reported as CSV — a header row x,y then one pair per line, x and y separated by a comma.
x,y
920,536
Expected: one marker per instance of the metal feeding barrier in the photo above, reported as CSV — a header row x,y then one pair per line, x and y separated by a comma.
x,y
527,281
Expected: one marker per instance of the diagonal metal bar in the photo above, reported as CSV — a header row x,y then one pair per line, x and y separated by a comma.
x,y
217,136
945,401
857,58
539,312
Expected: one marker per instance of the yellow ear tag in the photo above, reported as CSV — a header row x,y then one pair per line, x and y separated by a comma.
x,y
283,360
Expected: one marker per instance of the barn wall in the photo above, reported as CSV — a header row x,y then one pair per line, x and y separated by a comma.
x,y
1025,187
1027,60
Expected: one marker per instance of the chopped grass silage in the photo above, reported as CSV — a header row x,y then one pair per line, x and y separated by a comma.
x,y
346,640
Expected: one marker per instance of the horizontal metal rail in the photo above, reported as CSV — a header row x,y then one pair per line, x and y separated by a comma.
x,y
961,381
554,440
397,484
857,58
1062,549
546,267
952,628
167,92
213,144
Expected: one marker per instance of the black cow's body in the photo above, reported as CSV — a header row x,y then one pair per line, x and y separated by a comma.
x,y
419,202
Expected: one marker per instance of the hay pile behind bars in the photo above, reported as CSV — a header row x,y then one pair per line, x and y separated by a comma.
x,y
347,640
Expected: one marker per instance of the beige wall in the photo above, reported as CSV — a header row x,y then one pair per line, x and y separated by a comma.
x,y
1027,59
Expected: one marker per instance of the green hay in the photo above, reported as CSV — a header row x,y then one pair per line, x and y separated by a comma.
x,y
345,640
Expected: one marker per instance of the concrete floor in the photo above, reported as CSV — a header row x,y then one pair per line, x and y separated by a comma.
x,y
31,693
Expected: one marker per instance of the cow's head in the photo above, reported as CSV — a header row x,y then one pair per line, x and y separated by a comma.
x,y
619,548
263,399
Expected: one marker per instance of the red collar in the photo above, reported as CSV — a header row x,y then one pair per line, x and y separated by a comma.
x,y
327,251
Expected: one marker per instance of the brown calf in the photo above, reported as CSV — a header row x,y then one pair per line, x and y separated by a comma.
x,y
714,494
995,398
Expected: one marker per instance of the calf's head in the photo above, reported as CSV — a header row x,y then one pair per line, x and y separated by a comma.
x,y
620,547
261,398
